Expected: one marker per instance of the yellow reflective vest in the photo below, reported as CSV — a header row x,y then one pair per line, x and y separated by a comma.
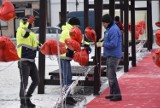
x,y
26,47
64,35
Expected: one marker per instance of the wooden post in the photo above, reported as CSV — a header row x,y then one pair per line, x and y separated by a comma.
x,y
133,32
42,34
98,28
63,12
112,8
126,59
149,25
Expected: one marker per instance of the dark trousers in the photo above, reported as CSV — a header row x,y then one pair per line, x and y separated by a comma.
x,y
28,69
112,63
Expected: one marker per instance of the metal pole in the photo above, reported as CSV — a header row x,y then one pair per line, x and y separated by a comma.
x,y
60,71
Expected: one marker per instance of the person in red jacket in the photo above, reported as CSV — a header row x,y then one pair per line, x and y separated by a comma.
x,y
119,24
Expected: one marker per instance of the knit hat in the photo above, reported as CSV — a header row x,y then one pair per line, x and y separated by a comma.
x,y
106,18
74,21
116,18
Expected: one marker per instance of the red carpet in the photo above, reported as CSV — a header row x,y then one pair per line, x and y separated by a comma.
x,y
140,88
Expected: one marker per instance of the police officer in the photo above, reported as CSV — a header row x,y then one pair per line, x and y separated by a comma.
x,y
27,45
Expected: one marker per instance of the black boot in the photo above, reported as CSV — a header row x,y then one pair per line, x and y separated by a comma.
x,y
71,99
23,103
29,103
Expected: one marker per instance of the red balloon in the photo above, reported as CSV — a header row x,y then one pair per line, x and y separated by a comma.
x,y
158,37
157,24
156,57
8,49
50,47
72,44
81,57
76,34
7,11
1,54
90,34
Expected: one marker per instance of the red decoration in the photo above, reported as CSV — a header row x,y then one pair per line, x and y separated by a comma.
x,y
137,35
156,57
72,44
90,34
76,34
158,37
50,48
157,24
81,57
8,50
7,11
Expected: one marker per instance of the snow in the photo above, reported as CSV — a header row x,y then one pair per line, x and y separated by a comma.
x,y
10,82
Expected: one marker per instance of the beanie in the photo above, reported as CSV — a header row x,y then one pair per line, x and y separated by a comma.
x,y
116,18
74,21
106,18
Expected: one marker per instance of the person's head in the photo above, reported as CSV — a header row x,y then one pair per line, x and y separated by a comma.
x,y
26,22
74,21
106,20
116,18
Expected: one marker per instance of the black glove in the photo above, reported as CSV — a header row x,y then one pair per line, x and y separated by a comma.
x,y
69,53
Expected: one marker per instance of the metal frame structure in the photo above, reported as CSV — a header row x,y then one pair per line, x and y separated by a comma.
x,y
98,6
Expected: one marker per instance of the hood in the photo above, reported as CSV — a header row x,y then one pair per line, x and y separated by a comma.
x,y
67,26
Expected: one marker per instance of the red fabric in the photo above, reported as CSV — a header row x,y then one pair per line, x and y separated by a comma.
x,y
156,57
81,57
158,37
139,88
120,25
8,50
143,24
140,29
157,24
90,34
50,48
137,35
7,11
129,27
31,19
76,34
72,44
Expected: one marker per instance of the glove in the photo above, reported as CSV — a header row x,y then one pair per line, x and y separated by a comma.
x,y
99,44
101,39
39,46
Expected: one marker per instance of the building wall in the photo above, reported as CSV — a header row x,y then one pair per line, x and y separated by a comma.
x,y
10,29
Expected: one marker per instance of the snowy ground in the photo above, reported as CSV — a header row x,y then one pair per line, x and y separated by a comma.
x,y
9,86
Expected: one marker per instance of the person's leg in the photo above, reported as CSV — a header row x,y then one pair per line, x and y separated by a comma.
x,y
35,78
112,64
66,72
35,81
24,74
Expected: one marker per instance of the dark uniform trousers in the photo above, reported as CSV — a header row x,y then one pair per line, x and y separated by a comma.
x,y
28,69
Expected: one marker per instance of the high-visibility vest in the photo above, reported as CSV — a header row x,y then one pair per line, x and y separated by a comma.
x,y
26,47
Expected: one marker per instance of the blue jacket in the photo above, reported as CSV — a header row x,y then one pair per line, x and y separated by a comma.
x,y
113,41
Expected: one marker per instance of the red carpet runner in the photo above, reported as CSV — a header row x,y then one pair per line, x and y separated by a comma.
x,y
140,88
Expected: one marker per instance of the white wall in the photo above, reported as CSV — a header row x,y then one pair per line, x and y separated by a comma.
x,y
55,9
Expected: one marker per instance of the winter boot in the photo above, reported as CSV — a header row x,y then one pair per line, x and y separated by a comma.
x,y
30,104
23,103
28,101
